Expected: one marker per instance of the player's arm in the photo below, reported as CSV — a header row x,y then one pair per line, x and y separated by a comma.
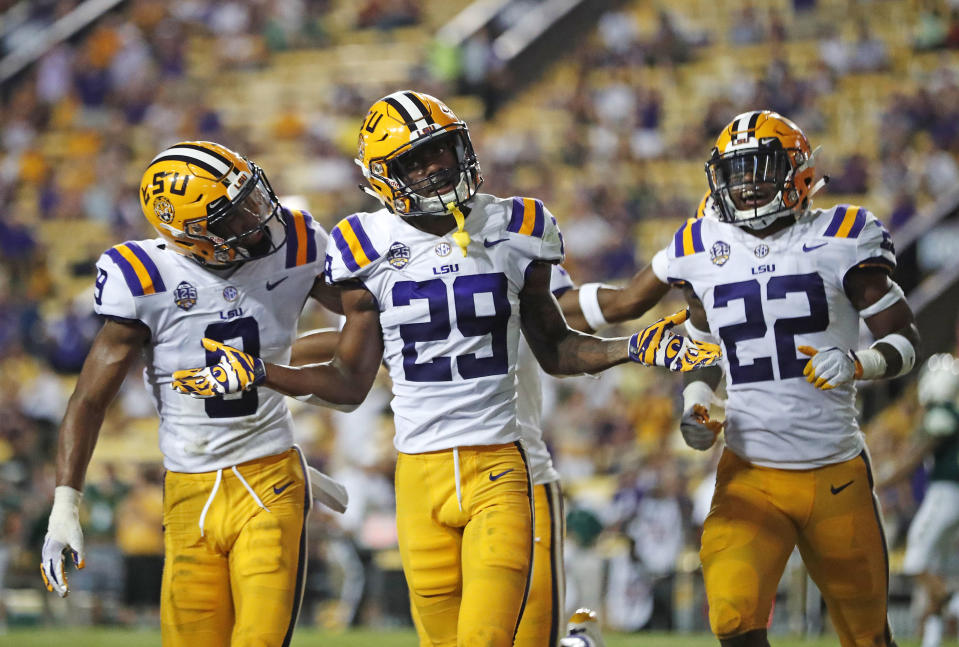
x,y
593,305
327,295
114,350
315,346
882,305
345,380
698,429
563,351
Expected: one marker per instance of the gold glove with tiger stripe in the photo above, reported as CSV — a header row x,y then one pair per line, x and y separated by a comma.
x,y
657,345
235,372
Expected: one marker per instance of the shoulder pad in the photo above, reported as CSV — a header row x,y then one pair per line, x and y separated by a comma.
x,y
527,217
353,244
139,270
847,221
300,238
689,238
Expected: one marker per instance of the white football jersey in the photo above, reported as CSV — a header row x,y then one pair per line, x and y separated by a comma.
x,y
529,397
763,298
450,323
255,309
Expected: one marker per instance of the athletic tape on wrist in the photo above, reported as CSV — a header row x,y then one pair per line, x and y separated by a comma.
x,y
699,335
589,304
873,363
697,392
905,349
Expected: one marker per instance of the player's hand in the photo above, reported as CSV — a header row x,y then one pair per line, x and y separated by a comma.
x,y
657,345
236,371
699,431
830,367
63,533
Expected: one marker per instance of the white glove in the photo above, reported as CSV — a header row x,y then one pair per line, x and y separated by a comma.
x,y
63,531
698,430
830,367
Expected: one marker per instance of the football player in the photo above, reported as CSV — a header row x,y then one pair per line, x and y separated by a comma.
x,y
229,263
782,286
932,533
439,284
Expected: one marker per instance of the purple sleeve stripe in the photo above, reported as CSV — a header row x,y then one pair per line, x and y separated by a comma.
x,y
516,219
538,221
310,237
698,236
292,241
150,266
344,249
361,236
837,219
858,224
129,274
678,241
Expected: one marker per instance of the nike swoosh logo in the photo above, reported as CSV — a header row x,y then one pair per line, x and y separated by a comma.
x,y
493,477
492,243
270,286
279,490
806,247
837,490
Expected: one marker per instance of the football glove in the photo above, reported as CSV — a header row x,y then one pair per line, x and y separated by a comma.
x,y
657,345
830,367
582,630
63,533
698,430
236,371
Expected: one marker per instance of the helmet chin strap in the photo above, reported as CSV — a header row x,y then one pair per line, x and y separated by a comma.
x,y
460,236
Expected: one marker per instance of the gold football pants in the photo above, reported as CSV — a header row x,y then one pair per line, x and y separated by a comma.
x,y
235,554
464,521
543,621
760,514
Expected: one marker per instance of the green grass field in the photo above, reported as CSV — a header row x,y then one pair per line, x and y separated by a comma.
x,y
79,637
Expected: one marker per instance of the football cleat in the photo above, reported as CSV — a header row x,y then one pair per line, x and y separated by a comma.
x,y
583,630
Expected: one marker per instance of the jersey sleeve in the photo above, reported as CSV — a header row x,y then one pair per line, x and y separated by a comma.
x,y
350,252
112,293
873,243
875,246
321,241
539,237
660,265
675,263
560,281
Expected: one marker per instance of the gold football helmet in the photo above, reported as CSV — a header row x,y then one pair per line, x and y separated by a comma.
x,y
417,155
211,204
761,169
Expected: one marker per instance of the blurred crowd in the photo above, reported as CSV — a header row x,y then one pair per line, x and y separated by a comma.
x,y
597,139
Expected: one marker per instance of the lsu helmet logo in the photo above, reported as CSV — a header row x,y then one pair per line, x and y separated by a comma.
x,y
163,209
184,296
719,253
